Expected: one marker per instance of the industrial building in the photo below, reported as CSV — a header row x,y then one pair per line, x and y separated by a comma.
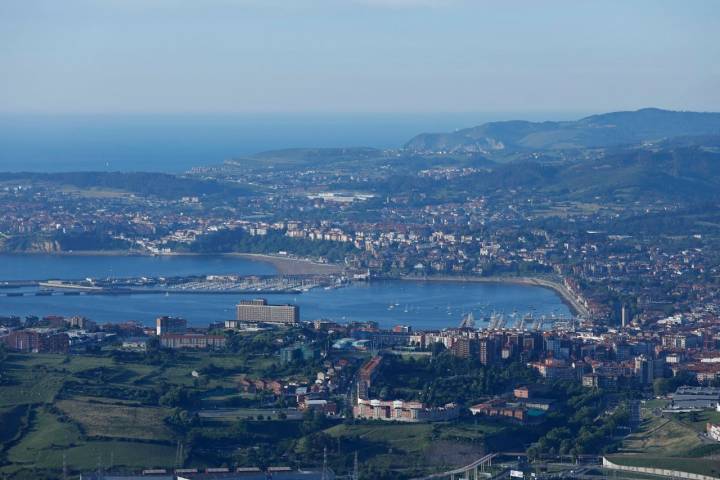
x,y
688,398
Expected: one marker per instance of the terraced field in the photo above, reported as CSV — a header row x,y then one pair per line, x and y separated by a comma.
x,y
672,442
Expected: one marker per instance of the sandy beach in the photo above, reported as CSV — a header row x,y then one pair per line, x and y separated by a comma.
x,y
291,266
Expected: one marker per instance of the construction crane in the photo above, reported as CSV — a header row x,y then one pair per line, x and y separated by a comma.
x,y
468,321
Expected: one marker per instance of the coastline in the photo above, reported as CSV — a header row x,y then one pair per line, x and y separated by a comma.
x,y
284,265
567,298
299,266
290,265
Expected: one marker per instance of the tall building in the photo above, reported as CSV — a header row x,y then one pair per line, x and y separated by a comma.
x,y
165,325
644,369
624,316
80,322
366,375
465,347
487,350
258,310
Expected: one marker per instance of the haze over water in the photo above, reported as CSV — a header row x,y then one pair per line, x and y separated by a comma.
x,y
176,143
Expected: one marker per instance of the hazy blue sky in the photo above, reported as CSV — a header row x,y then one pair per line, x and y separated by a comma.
x,y
358,55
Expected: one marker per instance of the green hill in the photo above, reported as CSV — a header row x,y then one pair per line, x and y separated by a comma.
x,y
596,131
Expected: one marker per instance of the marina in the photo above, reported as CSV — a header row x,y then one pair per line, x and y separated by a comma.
x,y
203,289
423,305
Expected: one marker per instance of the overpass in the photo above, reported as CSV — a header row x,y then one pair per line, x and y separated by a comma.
x,y
474,471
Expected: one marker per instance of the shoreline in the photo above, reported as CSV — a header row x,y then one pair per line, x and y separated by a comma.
x,y
567,298
298,266
290,265
283,264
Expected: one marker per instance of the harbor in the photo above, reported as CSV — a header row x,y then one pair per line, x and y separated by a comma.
x,y
206,288
194,285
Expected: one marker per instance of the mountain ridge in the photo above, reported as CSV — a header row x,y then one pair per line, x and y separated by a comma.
x,y
594,131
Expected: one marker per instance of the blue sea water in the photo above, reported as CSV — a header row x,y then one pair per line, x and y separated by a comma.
x,y
74,267
420,304
176,143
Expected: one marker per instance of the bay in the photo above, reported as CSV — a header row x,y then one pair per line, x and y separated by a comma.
x,y
71,267
423,305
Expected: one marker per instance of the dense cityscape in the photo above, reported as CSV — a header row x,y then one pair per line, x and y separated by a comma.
x,y
359,240
274,392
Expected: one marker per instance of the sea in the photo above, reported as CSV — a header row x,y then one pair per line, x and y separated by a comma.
x,y
422,305
176,143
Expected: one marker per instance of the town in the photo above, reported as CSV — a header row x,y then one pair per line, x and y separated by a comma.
x,y
269,366
359,240
629,379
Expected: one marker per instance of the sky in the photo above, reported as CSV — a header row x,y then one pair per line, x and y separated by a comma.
x,y
409,56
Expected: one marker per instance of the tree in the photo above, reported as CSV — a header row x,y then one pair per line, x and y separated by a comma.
x,y
312,446
179,397
313,421
663,386
437,348
3,358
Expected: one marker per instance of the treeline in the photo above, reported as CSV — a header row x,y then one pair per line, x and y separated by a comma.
x,y
78,241
628,174
445,378
580,425
160,185
240,241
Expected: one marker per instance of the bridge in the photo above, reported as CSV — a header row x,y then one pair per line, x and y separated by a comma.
x,y
474,471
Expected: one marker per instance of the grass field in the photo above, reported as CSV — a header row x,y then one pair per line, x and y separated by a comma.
x,y
409,438
118,421
402,446
469,432
693,465
34,385
112,410
673,442
46,434
233,414
12,421
86,457
76,425
654,404
662,436
99,408
697,420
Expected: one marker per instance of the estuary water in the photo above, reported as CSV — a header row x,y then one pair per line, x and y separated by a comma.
x,y
73,267
424,305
